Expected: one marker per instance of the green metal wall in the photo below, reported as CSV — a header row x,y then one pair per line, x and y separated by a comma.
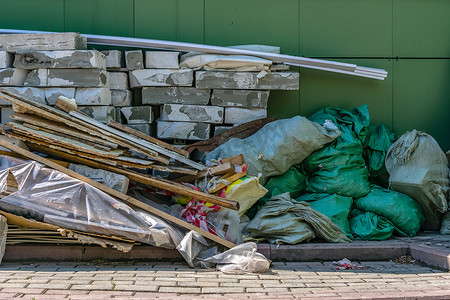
x,y
409,38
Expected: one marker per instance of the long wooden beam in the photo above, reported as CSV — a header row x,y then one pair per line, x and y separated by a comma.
x,y
319,64
116,194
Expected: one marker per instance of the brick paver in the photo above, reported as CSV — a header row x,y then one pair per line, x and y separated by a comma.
x,y
296,280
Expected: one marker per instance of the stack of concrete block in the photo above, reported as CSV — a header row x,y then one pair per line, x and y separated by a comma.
x,y
195,105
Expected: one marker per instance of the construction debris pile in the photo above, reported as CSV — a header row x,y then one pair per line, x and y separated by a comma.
x,y
83,155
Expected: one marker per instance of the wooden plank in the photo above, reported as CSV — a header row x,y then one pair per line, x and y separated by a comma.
x,y
229,179
58,127
64,164
116,194
129,137
236,160
216,170
144,178
48,112
147,138
64,106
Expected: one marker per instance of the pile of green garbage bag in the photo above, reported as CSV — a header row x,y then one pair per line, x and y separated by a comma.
x,y
370,226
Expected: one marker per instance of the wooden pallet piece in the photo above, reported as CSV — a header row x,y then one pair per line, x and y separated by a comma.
x,y
236,160
147,138
116,194
214,171
230,179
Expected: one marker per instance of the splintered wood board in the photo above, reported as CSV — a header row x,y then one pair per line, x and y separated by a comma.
x,y
119,195
65,142
22,105
216,170
61,128
138,141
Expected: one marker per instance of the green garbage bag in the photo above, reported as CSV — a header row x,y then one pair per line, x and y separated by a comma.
x,y
293,181
282,220
339,167
400,209
335,207
369,226
376,145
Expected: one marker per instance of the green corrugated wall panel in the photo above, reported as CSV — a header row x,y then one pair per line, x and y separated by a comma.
x,y
156,19
176,20
32,15
108,17
346,28
319,89
421,28
422,98
267,22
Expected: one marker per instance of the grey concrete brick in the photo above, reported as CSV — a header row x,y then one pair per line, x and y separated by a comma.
x,y
134,60
221,129
192,113
175,95
114,59
115,181
162,60
247,80
6,59
78,78
138,114
237,115
13,77
120,98
30,93
93,96
68,59
183,130
241,98
6,113
43,41
161,77
52,94
118,116
147,129
102,114
118,80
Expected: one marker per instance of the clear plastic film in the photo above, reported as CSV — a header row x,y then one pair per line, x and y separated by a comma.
x,y
53,197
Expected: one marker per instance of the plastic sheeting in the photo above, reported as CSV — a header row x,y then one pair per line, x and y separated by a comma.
x,y
418,167
52,197
278,145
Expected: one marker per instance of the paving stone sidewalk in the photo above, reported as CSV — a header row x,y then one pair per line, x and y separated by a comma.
x,y
162,280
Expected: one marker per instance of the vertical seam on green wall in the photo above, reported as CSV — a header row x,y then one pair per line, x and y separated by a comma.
x,y
298,53
134,18
392,67
177,21
204,21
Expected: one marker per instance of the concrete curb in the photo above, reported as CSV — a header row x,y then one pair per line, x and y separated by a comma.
x,y
359,251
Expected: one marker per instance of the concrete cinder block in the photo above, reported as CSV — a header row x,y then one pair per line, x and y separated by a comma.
x,y
134,60
175,95
13,77
118,116
115,181
192,113
147,129
68,59
221,129
121,98
183,130
114,59
43,41
78,78
241,98
118,80
52,94
247,80
162,60
30,93
38,77
6,113
102,114
6,59
237,115
93,96
161,77
138,114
